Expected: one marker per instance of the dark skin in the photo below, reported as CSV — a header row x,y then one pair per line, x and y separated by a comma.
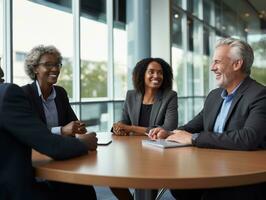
x,y
89,139
47,77
153,79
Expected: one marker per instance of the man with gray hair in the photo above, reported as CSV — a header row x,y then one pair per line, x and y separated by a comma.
x,y
233,116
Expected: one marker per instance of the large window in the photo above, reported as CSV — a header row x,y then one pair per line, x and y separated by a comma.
x,y
187,60
258,70
96,84
94,49
120,63
47,24
101,59
120,50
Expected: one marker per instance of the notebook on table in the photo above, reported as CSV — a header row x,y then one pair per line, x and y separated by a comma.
x,y
104,138
162,143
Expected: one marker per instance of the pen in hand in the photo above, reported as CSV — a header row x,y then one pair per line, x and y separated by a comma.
x,y
148,134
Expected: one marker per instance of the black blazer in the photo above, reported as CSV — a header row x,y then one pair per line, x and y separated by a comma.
x,y
64,110
21,130
245,124
163,113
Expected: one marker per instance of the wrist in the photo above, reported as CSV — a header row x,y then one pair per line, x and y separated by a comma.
x,y
170,133
130,128
147,130
62,130
194,137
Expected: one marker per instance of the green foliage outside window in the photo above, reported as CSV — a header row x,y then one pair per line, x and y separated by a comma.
x,y
93,78
259,74
66,77
258,70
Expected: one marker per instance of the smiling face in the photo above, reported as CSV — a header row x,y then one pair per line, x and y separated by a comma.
x,y
48,70
153,76
225,68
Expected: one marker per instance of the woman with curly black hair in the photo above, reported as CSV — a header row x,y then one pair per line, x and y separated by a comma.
x,y
153,103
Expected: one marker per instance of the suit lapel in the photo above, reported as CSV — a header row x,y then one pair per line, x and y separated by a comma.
x,y
233,105
136,109
155,108
214,110
59,107
38,102
239,94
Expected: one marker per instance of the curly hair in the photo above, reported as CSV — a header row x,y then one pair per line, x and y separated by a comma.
x,y
138,75
34,56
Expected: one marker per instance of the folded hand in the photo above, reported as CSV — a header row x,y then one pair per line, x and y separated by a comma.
x,y
89,139
120,129
74,127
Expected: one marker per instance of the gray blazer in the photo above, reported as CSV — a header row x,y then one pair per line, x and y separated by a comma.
x,y
163,113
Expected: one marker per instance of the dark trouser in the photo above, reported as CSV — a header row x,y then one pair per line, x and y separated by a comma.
x,y
124,193
249,192
187,194
56,190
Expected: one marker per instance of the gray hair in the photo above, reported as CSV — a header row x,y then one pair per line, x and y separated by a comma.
x,y
240,50
34,56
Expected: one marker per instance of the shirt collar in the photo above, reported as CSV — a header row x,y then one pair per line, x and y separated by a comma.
x,y
51,96
224,94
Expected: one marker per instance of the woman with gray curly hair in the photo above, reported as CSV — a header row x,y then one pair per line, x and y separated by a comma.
x,y
43,65
51,103
34,56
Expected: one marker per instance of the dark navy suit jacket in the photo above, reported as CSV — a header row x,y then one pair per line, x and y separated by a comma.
x,y
20,131
64,110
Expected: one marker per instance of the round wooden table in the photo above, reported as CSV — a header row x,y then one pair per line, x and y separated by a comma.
x,y
127,163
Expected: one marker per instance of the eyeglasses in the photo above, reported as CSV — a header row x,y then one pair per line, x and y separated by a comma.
x,y
51,65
